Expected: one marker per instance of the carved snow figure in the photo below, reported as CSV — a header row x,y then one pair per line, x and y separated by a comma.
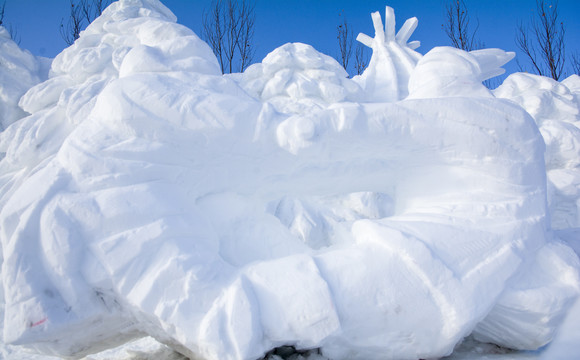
x,y
386,78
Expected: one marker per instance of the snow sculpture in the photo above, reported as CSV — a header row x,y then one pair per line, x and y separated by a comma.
x,y
147,194
387,76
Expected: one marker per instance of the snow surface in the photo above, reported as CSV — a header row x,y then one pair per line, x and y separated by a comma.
x,y
386,216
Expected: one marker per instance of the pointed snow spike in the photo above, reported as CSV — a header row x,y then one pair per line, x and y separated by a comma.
x,y
378,25
414,44
390,23
407,30
365,39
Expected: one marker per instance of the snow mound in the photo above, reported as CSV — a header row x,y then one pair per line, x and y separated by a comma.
x,y
19,71
147,194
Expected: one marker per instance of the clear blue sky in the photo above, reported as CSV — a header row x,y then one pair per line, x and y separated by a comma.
x,y
313,21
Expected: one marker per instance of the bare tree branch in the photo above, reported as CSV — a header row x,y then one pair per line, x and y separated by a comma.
x,y
82,13
246,35
361,60
228,27
11,29
345,39
543,42
457,26
2,8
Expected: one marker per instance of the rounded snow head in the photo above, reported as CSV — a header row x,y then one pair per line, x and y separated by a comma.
x,y
296,78
447,71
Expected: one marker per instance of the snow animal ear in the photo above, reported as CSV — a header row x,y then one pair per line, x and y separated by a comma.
x,y
491,61
387,76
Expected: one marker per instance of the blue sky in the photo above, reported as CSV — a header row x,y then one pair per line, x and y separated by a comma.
x,y
313,22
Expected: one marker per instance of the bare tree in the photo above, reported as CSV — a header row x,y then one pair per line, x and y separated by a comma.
x,y
82,13
575,58
2,8
457,26
361,60
457,29
228,27
345,39
11,29
543,41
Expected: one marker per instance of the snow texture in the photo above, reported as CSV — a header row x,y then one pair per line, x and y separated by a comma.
x,y
387,216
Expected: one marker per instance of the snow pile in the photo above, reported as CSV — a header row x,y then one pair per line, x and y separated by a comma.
x,y
19,71
147,194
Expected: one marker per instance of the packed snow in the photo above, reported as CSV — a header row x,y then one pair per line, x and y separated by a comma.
x,y
399,214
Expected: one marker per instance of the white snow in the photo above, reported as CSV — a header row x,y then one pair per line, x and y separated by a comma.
x,y
387,216
19,71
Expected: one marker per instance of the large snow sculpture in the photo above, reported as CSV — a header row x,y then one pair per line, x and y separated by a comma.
x,y
387,76
149,194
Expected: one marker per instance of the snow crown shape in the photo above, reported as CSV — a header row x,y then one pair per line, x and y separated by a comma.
x,y
387,76
159,198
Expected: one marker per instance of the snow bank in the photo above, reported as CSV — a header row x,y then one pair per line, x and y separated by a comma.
x,y
147,194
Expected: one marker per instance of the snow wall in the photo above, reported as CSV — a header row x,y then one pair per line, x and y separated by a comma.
x,y
385,216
